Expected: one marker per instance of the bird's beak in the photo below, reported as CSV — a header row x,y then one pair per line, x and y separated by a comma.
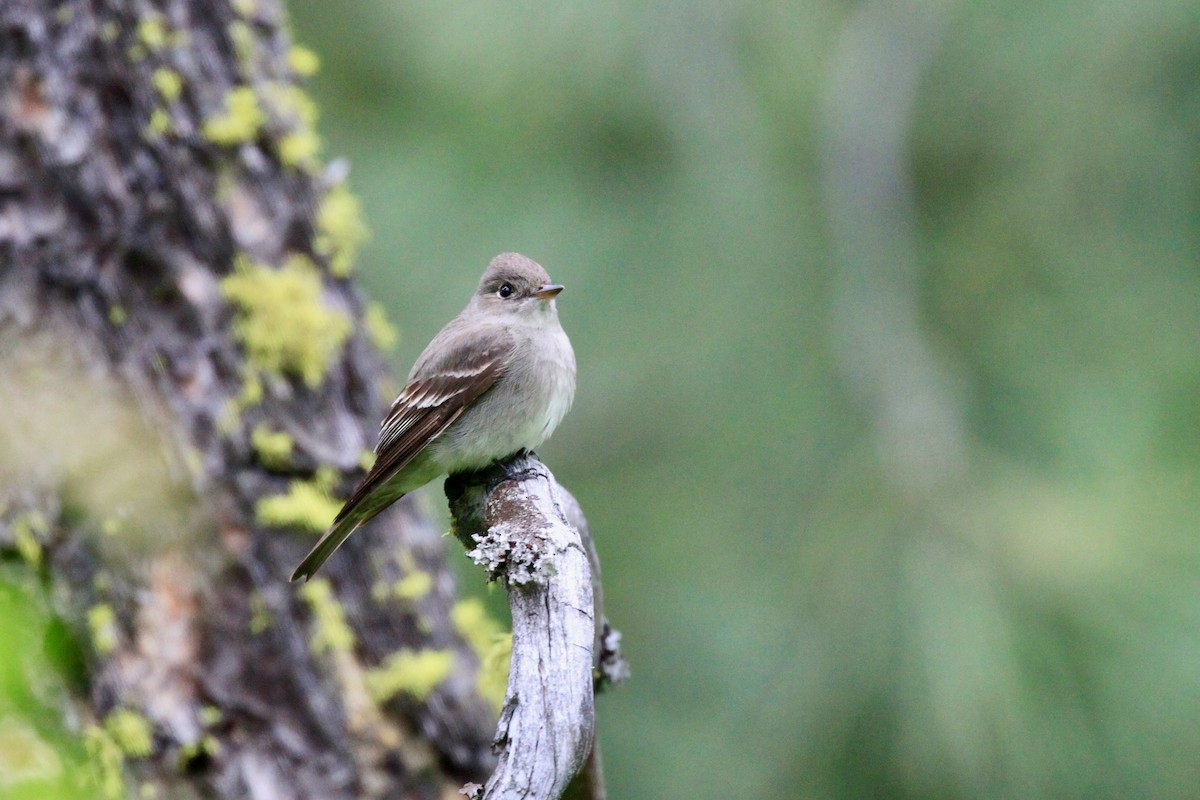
x,y
548,291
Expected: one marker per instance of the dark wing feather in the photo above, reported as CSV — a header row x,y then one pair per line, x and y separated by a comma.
x,y
427,405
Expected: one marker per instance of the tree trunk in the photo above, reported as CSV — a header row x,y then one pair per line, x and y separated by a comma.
x,y
187,383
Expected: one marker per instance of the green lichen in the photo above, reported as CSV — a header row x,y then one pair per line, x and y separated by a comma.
x,y
210,716
304,62
299,148
242,7
243,43
281,320
341,230
330,634
102,623
292,104
117,314
491,643
205,746
307,505
24,756
413,586
297,111
274,448
109,30
160,125
414,673
239,121
152,33
260,615
64,13
131,731
28,530
168,82
381,332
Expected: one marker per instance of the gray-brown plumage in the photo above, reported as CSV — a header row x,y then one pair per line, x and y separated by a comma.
x,y
497,379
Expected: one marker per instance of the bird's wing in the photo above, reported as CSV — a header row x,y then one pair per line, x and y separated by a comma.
x,y
436,395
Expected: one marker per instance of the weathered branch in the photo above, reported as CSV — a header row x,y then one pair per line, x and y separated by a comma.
x,y
525,528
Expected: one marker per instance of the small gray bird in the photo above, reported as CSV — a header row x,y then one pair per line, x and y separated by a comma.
x,y
497,379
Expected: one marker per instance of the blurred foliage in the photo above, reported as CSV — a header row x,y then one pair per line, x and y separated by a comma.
x,y
39,760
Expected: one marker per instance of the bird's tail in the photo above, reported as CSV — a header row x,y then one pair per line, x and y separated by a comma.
x,y
332,540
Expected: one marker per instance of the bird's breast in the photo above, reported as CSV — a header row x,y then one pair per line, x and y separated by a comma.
x,y
521,410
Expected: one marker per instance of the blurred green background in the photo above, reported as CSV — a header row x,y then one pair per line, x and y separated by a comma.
x,y
887,318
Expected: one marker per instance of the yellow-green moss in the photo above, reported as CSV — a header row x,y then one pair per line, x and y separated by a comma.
x,y
414,673
28,529
243,43
131,731
274,448
206,746
243,7
160,124
304,62
106,760
239,121
147,791
168,82
491,643
292,104
252,390
152,33
341,230
117,315
300,145
413,586
102,622
307,505
281,321
299,148
331,634
260,615
24,756
210,716
381,332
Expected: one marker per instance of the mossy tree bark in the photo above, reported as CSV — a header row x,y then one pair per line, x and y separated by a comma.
x,y
185,360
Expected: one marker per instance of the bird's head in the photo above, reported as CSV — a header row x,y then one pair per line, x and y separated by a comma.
x,y
514,284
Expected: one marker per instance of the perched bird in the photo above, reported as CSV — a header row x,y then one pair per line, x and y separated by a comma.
x,y
497,379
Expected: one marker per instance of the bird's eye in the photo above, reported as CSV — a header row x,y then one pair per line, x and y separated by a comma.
x,y
505,289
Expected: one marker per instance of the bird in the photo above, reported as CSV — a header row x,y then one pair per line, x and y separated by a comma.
x,y
497,379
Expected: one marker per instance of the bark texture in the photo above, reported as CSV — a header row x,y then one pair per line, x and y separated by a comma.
x,y
145,150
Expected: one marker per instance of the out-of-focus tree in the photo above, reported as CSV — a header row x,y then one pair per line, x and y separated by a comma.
x,y
189,379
